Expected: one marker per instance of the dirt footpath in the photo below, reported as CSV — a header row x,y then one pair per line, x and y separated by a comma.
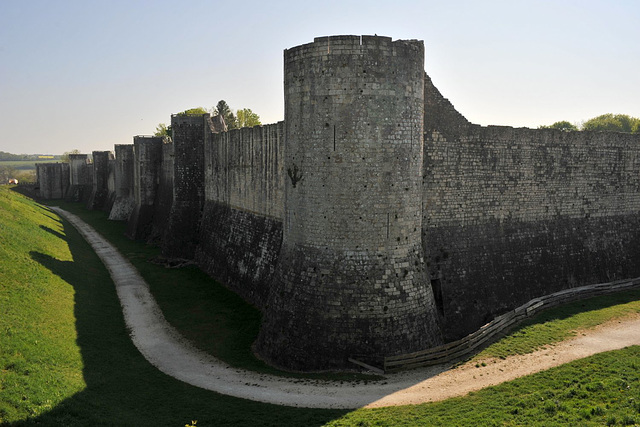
x,y
163,347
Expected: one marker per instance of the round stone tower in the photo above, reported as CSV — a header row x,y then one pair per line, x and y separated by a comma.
x,y
351,279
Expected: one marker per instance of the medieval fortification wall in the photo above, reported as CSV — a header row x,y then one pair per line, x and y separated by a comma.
x,y
375,220
241,230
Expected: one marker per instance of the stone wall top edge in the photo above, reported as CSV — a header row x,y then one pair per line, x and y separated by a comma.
x,y
147,138
577,133
191,119
509,132
327,42
252,128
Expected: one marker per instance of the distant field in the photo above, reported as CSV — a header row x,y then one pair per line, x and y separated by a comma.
x,y
25,164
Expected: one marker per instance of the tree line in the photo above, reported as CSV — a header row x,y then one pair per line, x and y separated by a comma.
x,y
604,123
243,117
4,156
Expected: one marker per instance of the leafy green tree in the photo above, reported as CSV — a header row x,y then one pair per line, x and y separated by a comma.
x,y
6,173
198,111
9,156
562,125
612,123
163,130
65,156
247,118
223,109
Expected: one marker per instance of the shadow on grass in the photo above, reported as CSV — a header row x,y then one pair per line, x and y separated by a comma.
x,y
52,231
122,388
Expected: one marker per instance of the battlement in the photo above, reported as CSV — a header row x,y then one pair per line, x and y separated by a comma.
x,y
336,45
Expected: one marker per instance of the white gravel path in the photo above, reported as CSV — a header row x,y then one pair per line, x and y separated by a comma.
x,y
163,346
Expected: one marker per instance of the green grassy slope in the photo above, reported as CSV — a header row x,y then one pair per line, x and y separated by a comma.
x,y
600,390
37,321
563,322
65,354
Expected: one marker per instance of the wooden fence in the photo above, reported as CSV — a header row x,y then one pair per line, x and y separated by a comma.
x,y
495,329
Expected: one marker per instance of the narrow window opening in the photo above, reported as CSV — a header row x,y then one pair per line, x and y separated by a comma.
x,y
334,137
436,287
388,224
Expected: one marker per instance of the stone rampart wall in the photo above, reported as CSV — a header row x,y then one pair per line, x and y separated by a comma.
x,y
147,152
99,198
164,196
244,169
53,179
351,277
182,235
80,178
356,235
513,214
124,183
241,227
111,186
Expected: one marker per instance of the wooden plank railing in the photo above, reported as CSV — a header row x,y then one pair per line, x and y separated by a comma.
x,y
496,328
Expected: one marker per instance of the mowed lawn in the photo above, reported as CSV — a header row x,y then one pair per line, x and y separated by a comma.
x,y
66,357
65,353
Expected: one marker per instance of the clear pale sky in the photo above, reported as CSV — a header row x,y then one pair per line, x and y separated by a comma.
x,y
89,74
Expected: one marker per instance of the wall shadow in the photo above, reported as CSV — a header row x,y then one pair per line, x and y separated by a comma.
x,y
52,231
122,388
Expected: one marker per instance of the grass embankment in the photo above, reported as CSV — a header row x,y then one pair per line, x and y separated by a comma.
x,y
564,322
65,354
68,359
601,390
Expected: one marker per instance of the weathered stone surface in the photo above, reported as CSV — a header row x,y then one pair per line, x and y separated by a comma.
x,y
511,214
351,277
164,198
240,249
147,152
53,179
111,186
124,183
183,232
241,227
100,192
80,178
